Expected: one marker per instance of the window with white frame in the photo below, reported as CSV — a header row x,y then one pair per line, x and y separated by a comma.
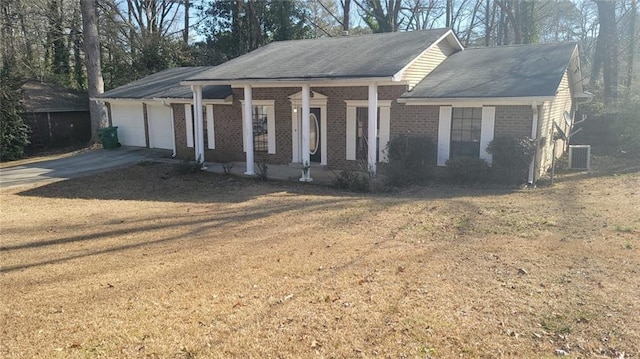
x,y
362,133
260,129
466,126
263,127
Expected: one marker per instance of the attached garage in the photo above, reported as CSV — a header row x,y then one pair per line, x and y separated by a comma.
x,y
129,118
160,126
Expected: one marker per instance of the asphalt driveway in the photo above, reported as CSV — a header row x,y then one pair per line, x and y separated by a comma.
x,y
77,165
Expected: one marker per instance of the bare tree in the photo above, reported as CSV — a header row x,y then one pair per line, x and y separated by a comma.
x,y
94,71
606,55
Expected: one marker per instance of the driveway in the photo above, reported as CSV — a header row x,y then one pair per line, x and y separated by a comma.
x,y
77,165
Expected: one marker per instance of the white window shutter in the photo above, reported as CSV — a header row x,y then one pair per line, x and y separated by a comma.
x,y
211,138
385,130
188,119
271,129
486,132
444,135
351,133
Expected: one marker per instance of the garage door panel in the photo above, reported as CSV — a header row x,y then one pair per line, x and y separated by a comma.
x,y
160,126
129,119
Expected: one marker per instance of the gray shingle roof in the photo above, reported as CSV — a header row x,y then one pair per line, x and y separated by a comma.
x,y
166,84
507,71
47,97
375,55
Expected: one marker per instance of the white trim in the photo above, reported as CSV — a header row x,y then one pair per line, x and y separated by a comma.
x,y
260,103
457,43
247,122
351,133
188,119
323,134
444,134
534,135
316,99
385,130
306,109
313,82
295,134
211,137
271,130
365,103
486,132
227,101
475,102
372,128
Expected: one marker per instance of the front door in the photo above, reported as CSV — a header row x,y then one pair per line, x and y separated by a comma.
x,y
315,141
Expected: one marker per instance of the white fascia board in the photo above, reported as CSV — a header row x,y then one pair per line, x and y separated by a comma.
x,y
575,72
113,100
313,82
456,43
226,101
475,102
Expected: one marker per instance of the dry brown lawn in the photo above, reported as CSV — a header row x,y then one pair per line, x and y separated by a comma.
x,y
142,262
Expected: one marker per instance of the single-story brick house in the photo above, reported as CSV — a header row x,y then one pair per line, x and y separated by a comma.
x,y
331,95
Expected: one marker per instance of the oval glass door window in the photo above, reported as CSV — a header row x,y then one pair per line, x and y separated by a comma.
x,y
314,134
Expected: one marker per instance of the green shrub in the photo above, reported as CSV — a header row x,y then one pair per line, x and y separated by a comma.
x,y
411,160
511,158
352,181
465,170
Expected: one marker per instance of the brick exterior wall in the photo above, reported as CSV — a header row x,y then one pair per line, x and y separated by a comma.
x,y
408,120
513,121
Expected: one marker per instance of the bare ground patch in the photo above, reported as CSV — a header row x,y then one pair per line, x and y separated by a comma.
x,y
142,262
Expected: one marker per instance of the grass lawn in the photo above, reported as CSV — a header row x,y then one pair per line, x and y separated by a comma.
x,y
143,262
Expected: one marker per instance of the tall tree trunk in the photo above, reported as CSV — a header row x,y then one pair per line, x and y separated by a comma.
x,y
607,49
185,33
94,71
449,13
346,15
633,29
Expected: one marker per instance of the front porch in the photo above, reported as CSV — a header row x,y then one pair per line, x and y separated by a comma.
x,y
291,172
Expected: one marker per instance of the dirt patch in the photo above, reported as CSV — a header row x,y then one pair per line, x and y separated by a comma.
x,y
143,262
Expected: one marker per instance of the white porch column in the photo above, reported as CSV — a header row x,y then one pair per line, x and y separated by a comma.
x,y
534,135
306,109
197,119
248,129
372,126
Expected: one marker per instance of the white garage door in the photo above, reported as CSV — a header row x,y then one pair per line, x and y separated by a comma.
x,y
130,121
160,129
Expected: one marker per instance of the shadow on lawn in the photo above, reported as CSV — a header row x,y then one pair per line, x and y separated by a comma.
x,y
199,222
161,182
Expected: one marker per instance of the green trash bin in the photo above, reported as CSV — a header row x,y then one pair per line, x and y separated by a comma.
x,y
109,137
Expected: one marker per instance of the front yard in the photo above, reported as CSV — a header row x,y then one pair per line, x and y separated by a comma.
x,y
143,262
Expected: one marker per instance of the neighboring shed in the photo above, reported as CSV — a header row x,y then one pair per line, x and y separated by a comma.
x,y
58,116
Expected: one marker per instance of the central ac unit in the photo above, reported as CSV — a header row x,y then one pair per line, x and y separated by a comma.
x,y
580,157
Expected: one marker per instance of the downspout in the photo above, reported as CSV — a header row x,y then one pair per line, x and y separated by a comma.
x,y
534,135
173,129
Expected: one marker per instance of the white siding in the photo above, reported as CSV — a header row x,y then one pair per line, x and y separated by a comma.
x,y
428,61
129,118
160,128
551,112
